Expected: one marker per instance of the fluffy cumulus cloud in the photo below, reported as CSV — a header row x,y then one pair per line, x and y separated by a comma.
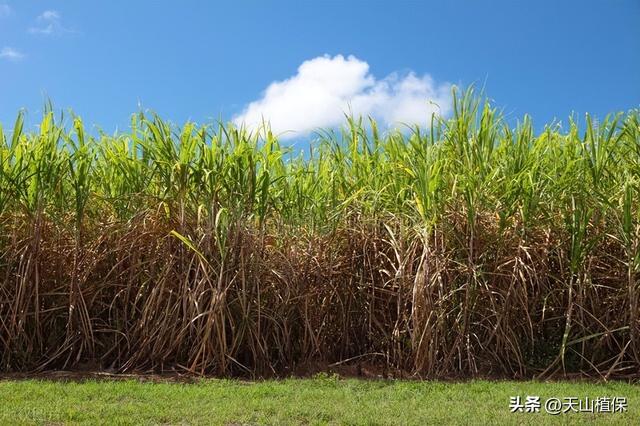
x,y
11,54
325,88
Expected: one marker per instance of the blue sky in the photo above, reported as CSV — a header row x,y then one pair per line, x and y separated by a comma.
x,y
207,60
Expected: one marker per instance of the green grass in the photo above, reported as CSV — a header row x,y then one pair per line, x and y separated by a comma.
x,y
295,401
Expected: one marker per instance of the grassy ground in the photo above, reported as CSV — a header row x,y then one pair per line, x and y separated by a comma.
x,y
310,401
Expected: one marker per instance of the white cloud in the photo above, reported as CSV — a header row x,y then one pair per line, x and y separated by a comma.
x,y
11,54
49,22
325,88
5,10
50,15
